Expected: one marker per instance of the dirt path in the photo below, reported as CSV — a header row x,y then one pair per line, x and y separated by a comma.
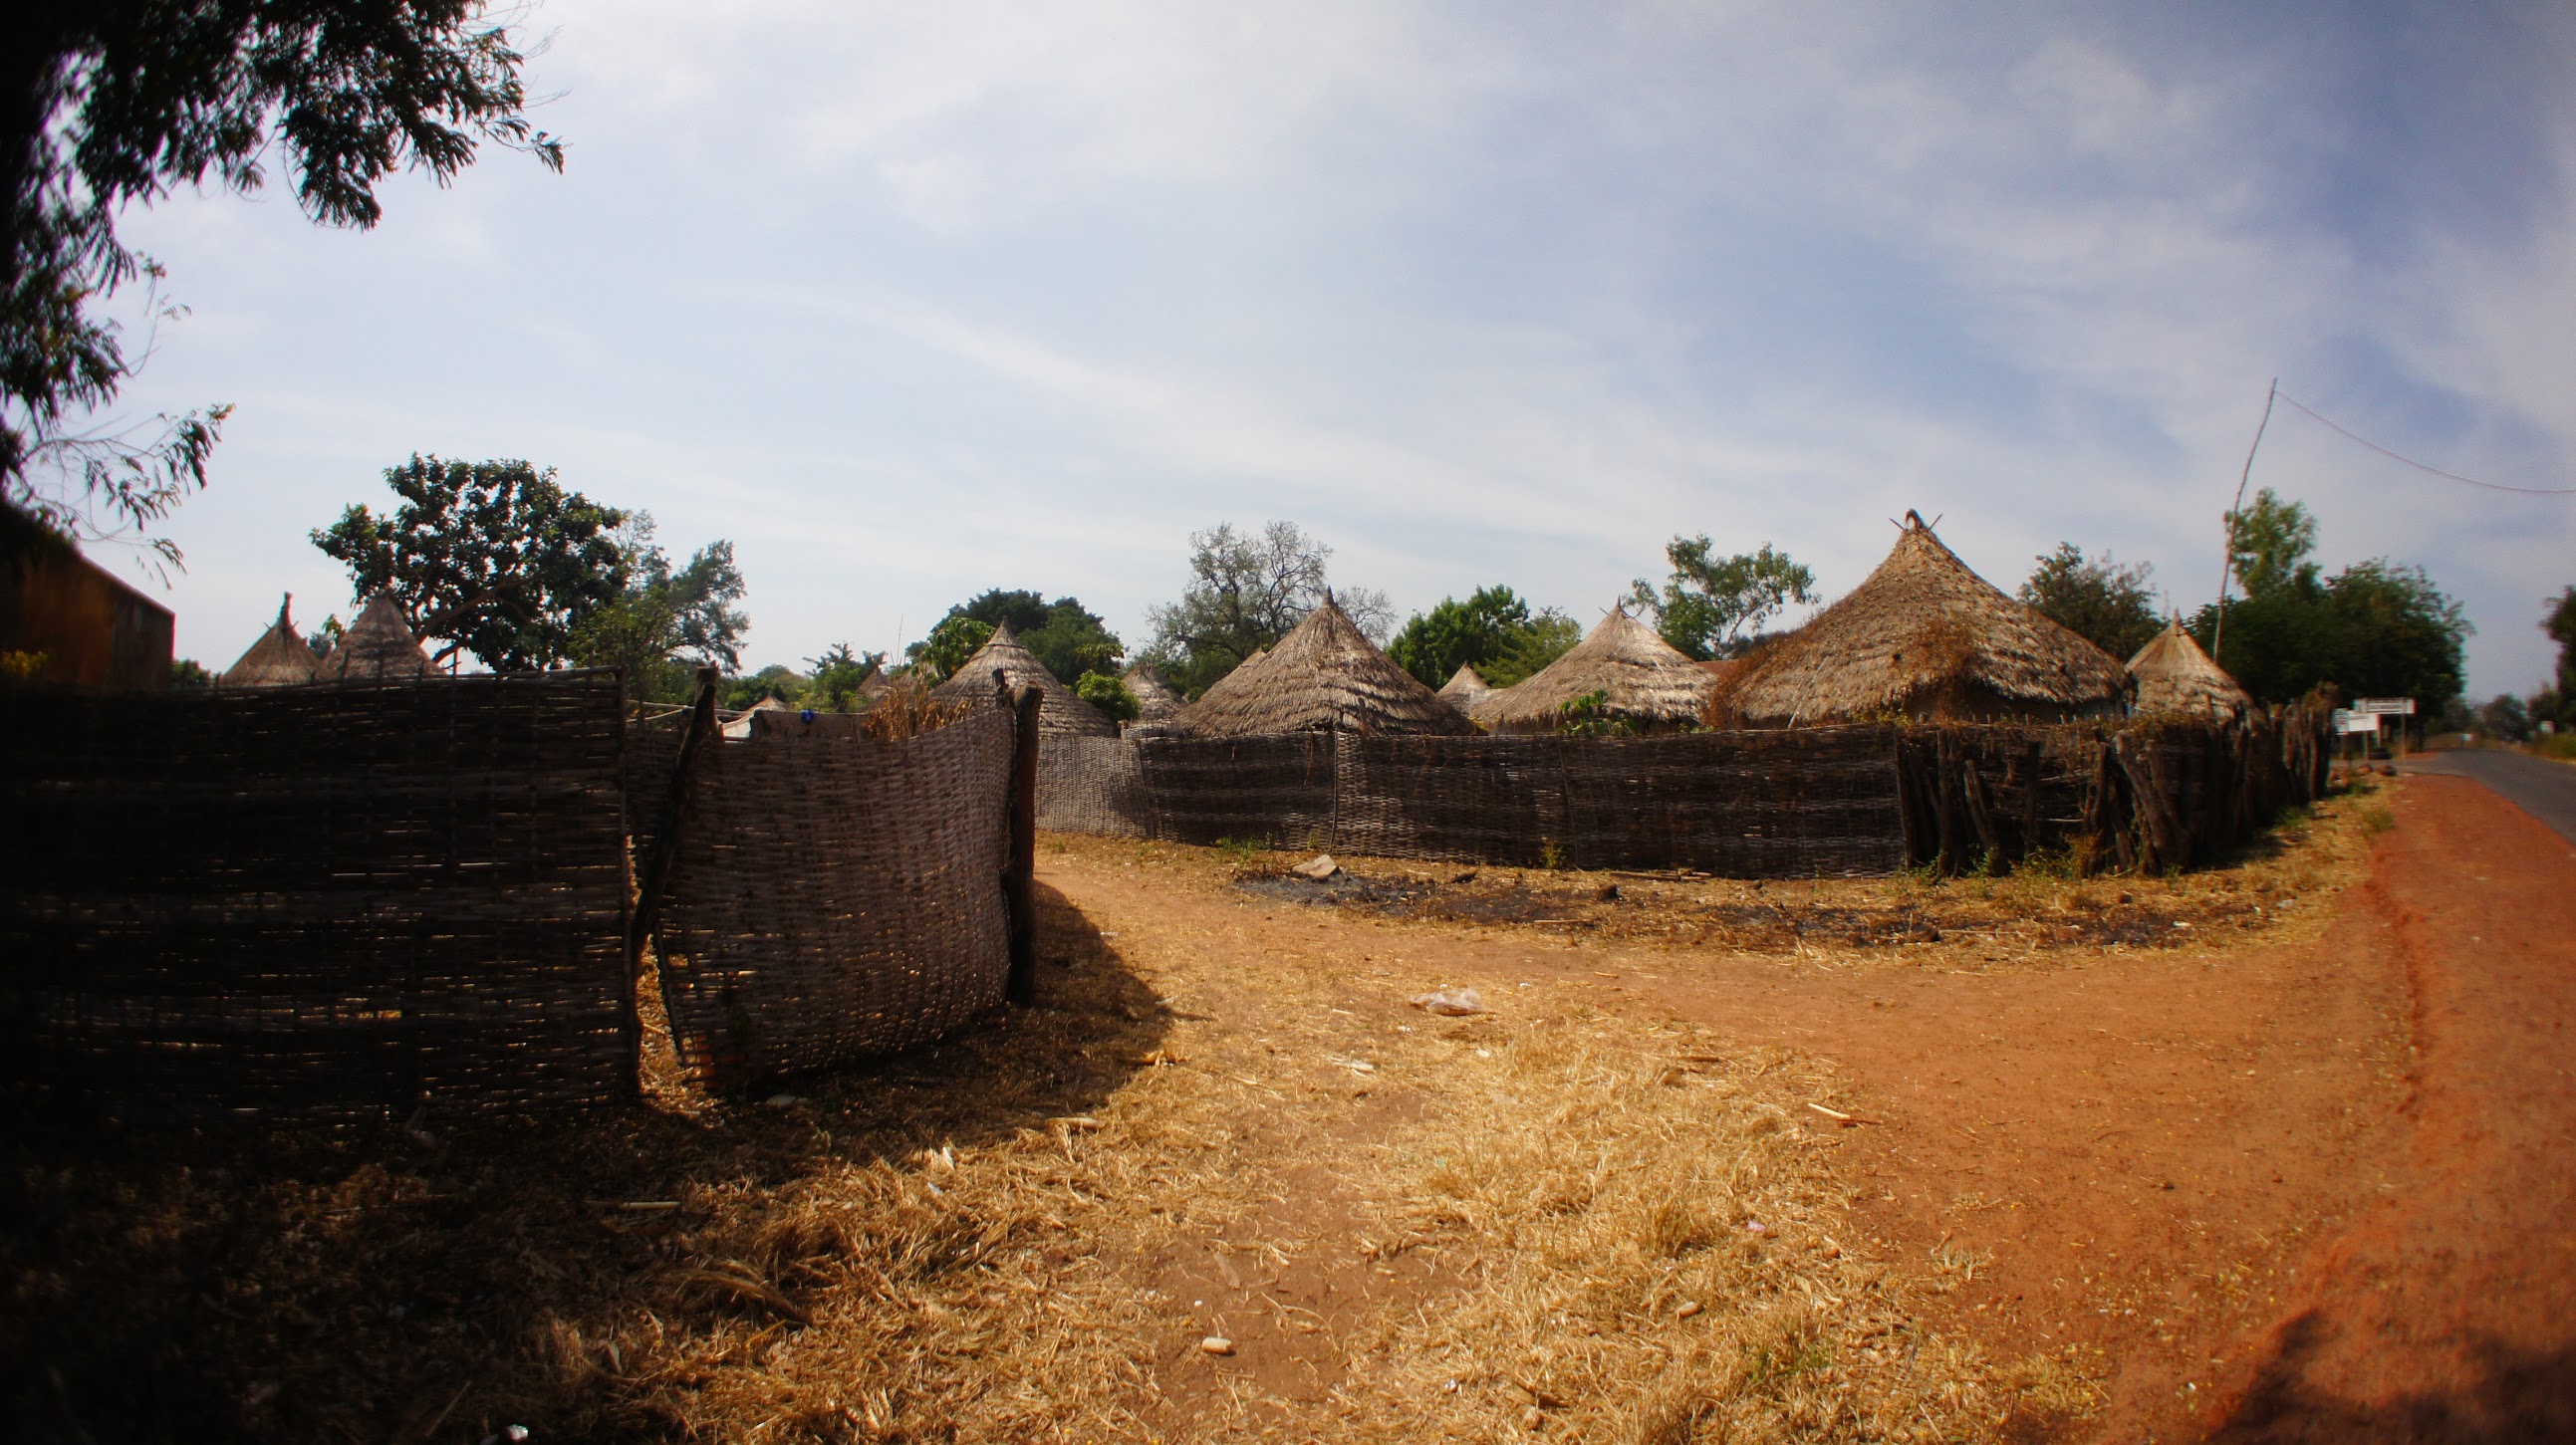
x,y
2218,1176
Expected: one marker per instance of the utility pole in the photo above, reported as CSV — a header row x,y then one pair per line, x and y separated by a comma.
x,y
2218,632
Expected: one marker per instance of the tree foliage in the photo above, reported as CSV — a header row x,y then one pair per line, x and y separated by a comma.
x,y
937,657
1247,591
669,622
2107,603
494,558
2376,629
2556,704
1067,637
1715,606
1493,631
1110,694
838,675
107,102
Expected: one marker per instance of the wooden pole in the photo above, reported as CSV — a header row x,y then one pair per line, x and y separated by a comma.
x,y
666,845
1019,883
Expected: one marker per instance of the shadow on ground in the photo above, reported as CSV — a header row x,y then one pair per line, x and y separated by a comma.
x,y
216,1286
2511,1397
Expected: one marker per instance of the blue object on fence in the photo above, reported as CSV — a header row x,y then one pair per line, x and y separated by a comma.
x,y
806,716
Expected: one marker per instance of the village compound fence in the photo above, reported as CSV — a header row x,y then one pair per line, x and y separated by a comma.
x,y
1859,800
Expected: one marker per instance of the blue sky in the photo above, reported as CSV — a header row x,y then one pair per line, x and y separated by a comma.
x,y
909,301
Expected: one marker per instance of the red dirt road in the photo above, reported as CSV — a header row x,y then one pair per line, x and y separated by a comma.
x,y
2313,1188
2449,1313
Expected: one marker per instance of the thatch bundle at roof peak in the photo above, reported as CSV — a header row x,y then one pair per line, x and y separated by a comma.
x,y
2175,676
1324,676
1060,710
1924,636
281,657
1644,681
378,647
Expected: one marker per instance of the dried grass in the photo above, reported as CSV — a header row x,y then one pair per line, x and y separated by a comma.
x,y
1324,676
1644,681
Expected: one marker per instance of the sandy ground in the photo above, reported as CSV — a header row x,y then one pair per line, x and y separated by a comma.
x,y
2313,1188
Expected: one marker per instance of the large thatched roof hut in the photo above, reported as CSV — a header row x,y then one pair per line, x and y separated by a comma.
x,y
1924,637
280,658
1645,681
2175,676
378,647
1060,711
1157,701
1324,676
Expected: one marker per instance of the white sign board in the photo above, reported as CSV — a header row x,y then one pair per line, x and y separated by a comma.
x,y
2400,705
2348,721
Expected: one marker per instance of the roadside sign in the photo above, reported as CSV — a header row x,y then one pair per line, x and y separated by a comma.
x,y
2348,721
2404,706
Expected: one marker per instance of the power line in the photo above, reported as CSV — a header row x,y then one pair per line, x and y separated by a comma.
x,y
2346,432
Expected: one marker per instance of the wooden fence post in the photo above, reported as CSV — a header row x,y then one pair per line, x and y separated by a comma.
x,y
1019,881
666,844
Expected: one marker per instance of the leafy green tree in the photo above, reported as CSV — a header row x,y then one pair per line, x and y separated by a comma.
x,y
2505,719
1715,606
493,558
777,680
936,658
2558,704
668,623
1069,638
2375,629
838,675
1493,631
1110,694
190,675
107,102
1247,591
2107,603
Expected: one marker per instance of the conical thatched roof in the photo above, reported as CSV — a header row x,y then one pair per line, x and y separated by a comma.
x,y
1465,686
279,659
377,647
1156,701
1059,710
1650,683
1926,637
1322,677
741,725
2175,676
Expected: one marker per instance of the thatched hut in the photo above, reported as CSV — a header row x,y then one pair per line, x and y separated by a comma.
x,y
740,725
1060,710
280,658
1325,676
1644,681
1157,701
378,647
2175,676
1924,637
1465,687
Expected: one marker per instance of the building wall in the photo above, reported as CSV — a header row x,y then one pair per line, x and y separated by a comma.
x,y
90,627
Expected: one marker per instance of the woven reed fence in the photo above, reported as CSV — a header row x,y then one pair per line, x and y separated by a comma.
x,y
829,896
1857,800
329,903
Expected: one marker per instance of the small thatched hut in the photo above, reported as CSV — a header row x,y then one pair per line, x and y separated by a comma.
x,y
279,659
1465,687
378,647
1157,702
1060,711
1924,637
741,724
1324,676
1645,681
2175,676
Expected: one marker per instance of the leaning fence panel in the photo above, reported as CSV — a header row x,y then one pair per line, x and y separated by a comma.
x,y
331,903
832,896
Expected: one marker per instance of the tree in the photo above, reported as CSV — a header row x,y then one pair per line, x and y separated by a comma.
x,y
667,624
2558,704
1110,694
493,558
1493,631
105,102
2107,603
1715,606
838,675
2375,629
1245,593
777,680
1069,638
937,657
2505,719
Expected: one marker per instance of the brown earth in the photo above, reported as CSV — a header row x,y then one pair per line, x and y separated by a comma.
x,y
2308,1187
